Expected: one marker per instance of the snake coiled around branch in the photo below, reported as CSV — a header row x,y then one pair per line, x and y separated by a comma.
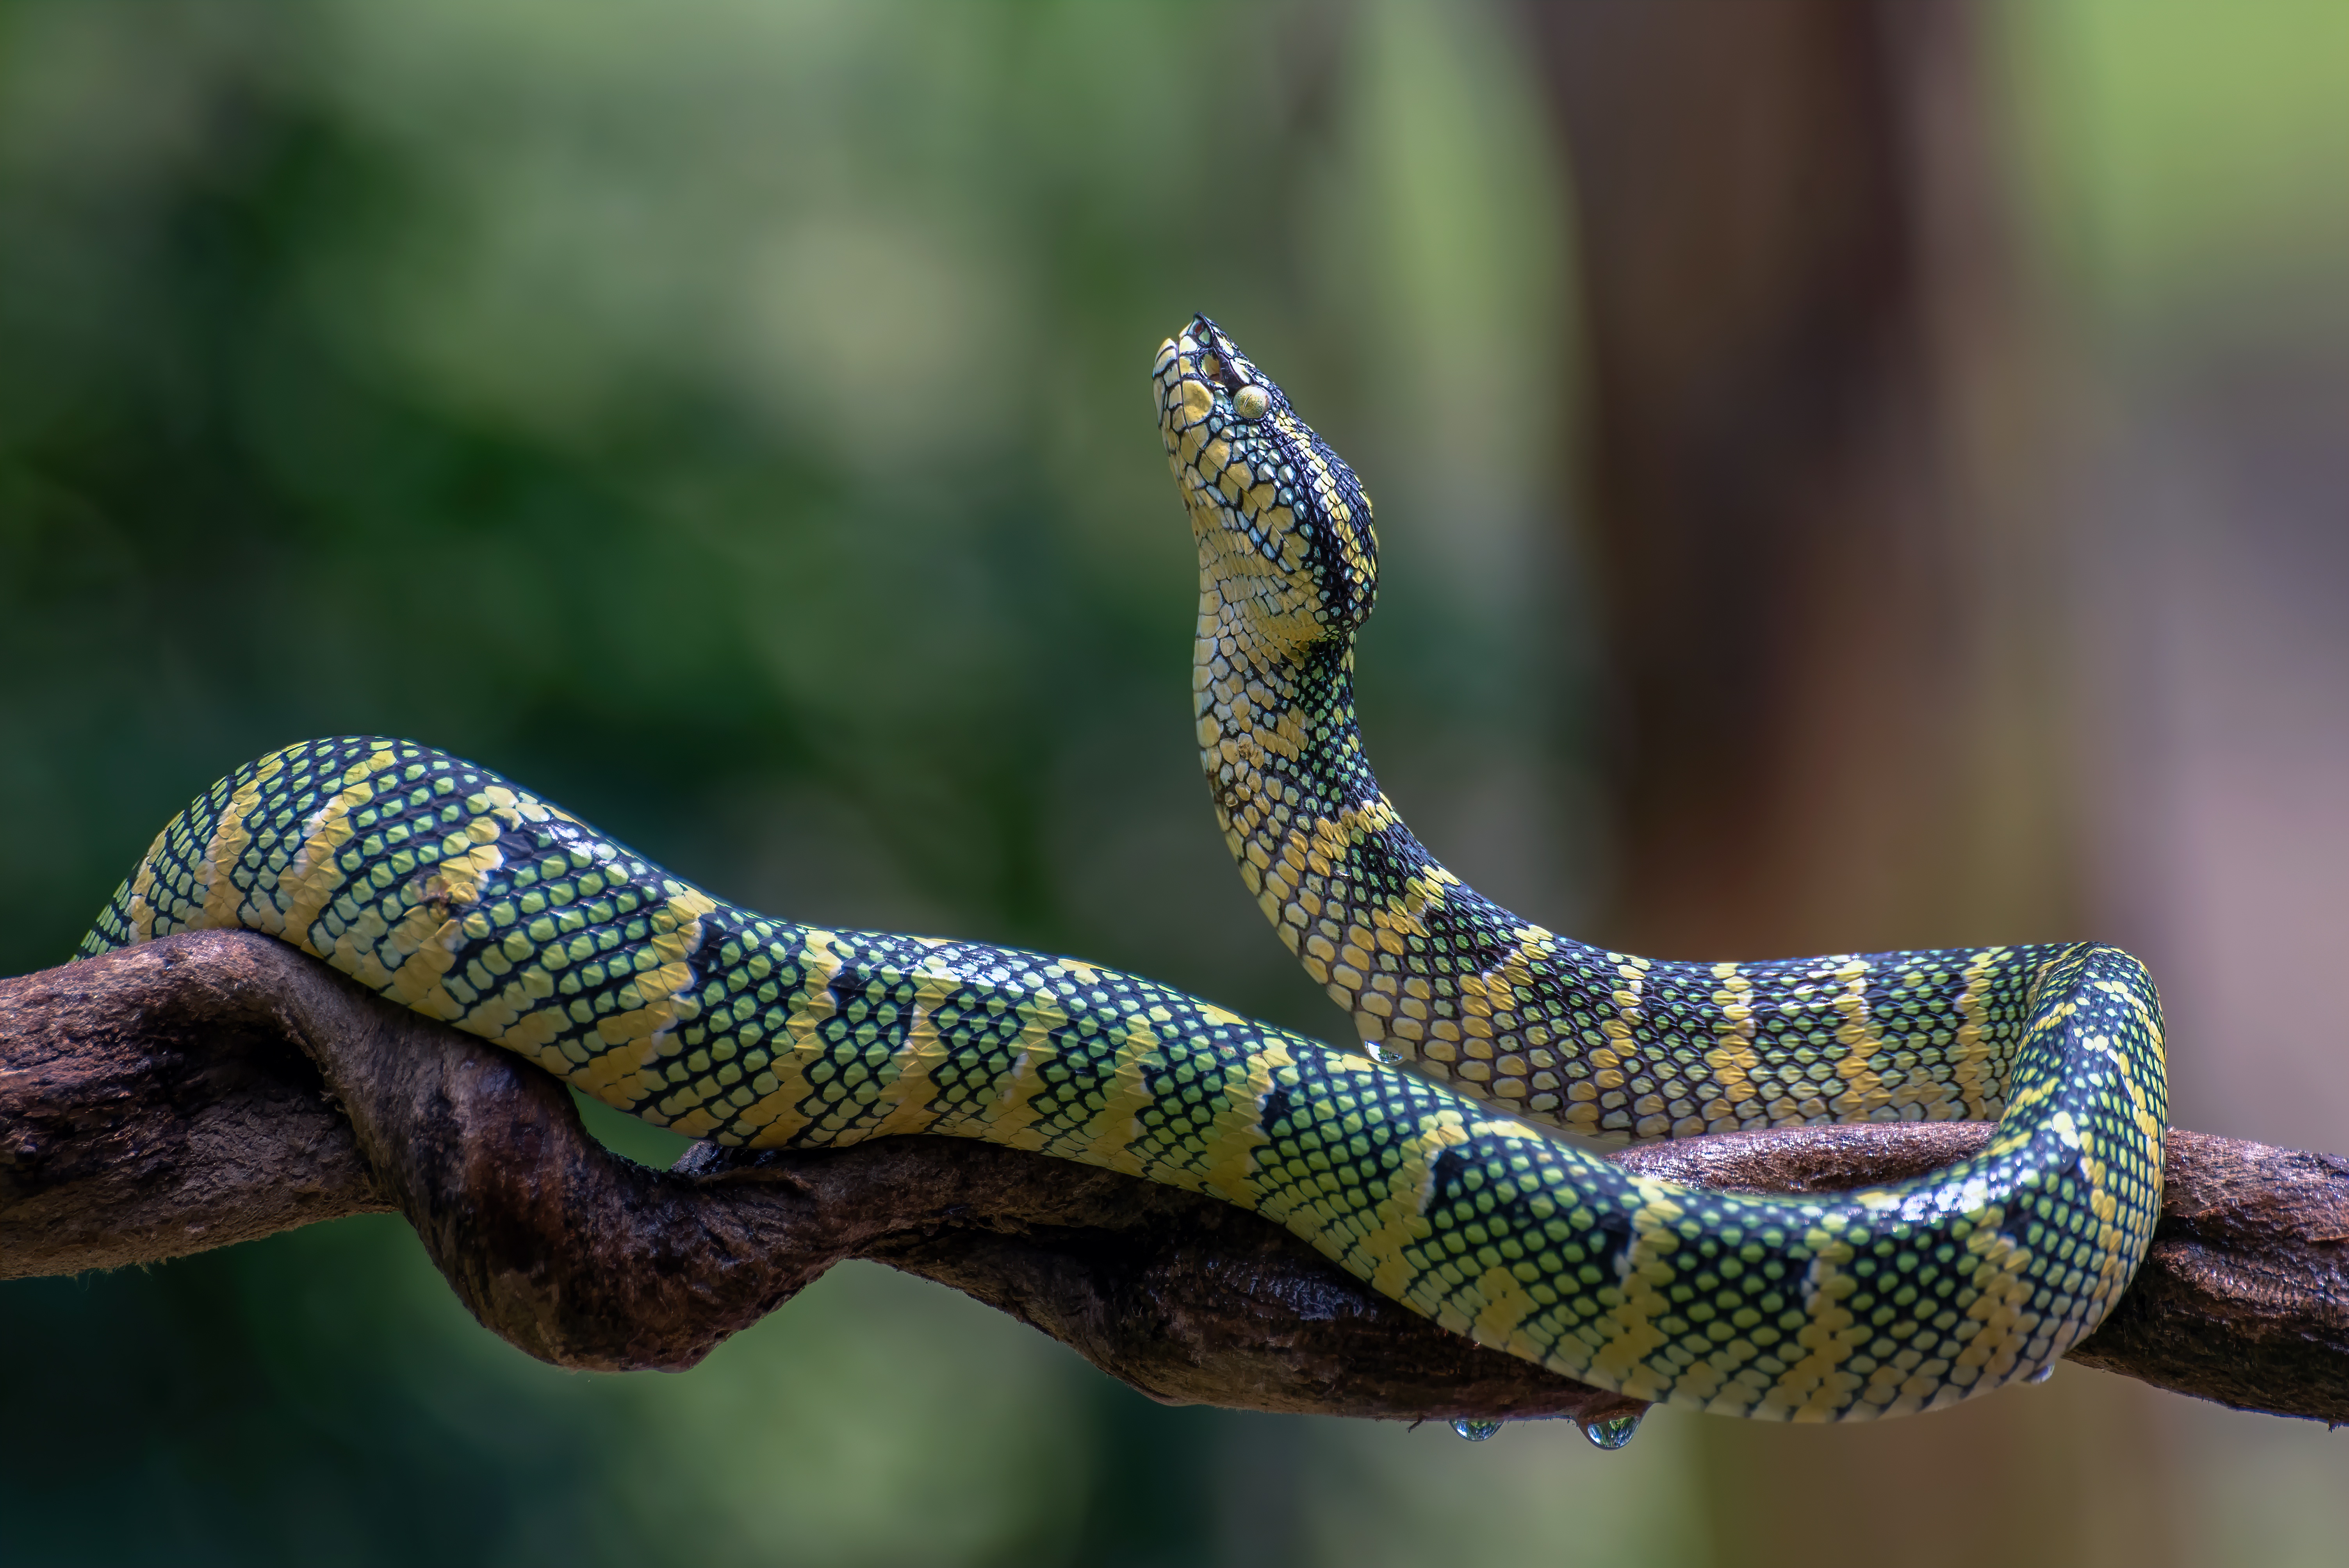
x,y
1438,1161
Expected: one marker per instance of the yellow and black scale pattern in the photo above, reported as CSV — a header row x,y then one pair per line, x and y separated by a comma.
x,y
448,889
1882,1302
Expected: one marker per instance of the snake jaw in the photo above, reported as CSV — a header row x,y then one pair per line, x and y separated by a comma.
x,y
1285,543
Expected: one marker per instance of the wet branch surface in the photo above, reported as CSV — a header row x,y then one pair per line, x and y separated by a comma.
x,y
213,1087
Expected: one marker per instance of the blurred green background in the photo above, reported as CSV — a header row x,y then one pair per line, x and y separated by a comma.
x,y
729,418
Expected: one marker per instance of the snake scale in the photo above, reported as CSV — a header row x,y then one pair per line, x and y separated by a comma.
x,y
1428,1162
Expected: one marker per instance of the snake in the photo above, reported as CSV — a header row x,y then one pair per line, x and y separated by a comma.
x,y
1450,1158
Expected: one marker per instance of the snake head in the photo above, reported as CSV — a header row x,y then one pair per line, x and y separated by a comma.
x,y
1283,526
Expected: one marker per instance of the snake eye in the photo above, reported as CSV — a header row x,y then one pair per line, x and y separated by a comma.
x,y
1250,402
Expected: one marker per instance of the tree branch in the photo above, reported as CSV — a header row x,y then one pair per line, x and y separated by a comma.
x,y
209,1088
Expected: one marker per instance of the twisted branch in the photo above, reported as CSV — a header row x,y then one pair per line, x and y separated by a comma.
x,y
213,1087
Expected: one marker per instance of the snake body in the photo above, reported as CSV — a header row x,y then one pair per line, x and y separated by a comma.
x,y
456,893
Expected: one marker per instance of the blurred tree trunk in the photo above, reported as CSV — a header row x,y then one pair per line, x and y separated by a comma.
x,y
1814,432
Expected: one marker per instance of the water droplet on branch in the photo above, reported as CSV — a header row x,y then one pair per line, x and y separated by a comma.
x,y
1611,1434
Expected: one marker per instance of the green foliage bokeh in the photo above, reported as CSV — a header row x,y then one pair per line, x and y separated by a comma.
x,y
731,419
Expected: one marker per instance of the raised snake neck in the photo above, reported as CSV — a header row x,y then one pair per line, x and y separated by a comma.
x,y
452,890
1610,1044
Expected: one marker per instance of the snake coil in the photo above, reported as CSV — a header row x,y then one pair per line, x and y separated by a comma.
x,y
1430,1163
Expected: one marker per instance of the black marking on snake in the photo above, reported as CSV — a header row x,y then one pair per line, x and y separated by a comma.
x,y
1333,771
1475,932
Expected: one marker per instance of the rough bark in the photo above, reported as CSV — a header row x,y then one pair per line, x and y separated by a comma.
x,y
209,1088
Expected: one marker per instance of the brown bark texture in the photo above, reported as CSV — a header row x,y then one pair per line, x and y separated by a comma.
x,y
213,1087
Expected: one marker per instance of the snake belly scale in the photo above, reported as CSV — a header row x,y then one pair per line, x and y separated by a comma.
x,y
1440,1169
